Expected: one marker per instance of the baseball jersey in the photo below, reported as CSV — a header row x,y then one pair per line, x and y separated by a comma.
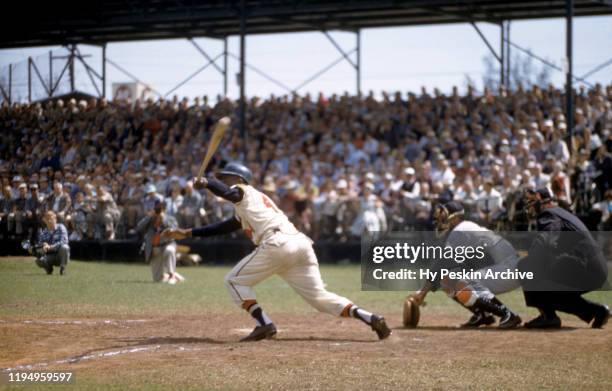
x,y
468,233
259,215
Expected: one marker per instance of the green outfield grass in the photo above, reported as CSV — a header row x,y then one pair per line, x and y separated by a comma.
x,y
96,288
313,351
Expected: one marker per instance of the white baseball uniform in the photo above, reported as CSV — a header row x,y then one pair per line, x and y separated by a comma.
x,y
501,252
282,250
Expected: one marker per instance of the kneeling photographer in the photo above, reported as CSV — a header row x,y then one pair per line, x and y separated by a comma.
x,y
160,250
51,248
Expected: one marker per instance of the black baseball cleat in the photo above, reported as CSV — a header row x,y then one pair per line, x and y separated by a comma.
x,y
478,319
510,321
261,332
380,326
544,322
601,317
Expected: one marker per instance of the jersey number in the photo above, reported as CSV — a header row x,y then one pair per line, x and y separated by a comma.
x,y
269,203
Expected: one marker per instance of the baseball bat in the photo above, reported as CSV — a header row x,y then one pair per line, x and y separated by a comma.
x,y
215,140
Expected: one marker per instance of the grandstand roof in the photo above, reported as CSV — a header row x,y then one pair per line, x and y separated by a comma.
x,y
94,22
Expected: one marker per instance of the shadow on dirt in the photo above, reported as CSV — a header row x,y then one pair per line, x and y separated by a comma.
x,y
484,329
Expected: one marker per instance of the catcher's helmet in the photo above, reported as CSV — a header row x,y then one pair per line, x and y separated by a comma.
x,y
444,212
237,169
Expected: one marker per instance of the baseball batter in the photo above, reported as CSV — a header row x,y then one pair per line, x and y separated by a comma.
x,y
281,249
477,295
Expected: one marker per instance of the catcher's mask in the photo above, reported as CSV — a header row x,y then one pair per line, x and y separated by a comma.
x,y
534,199
444,213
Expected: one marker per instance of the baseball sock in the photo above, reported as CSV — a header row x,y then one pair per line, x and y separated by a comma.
x,y
361,314
259,315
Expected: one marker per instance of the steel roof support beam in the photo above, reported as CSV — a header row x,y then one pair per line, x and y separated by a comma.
x,y
597,69
104,70
569,91
242,77
344,54
7,96
547,63
131,76
194,74
225,67
486,41
358,67
42,81
322,71
90,71
264,75
60,77
355,64
199,49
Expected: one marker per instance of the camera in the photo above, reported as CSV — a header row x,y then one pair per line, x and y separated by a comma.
x,y
35,250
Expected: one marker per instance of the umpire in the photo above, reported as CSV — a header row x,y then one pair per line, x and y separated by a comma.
x,y
566,263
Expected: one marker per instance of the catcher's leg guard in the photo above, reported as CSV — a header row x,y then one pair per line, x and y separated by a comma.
x,y
493,306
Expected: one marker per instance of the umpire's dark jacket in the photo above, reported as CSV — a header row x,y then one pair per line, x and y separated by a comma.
x,y
564,256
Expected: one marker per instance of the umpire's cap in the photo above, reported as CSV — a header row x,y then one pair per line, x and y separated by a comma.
x,y
237,169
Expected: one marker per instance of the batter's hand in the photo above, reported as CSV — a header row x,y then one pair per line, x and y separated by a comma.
x,y
176,234
200,183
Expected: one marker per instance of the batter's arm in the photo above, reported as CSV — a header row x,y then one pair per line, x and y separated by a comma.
x,y
220,228
233,194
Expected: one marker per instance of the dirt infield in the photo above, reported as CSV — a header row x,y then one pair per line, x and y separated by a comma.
x,y
313,351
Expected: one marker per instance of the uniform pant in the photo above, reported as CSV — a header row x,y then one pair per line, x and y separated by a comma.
x,y
291,257
565,301
163,259
59,258
509,260
505,258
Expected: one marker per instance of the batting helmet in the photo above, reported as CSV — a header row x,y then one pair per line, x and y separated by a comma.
x,y
237,169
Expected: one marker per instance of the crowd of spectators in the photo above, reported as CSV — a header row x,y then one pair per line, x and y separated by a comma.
x,y
337,165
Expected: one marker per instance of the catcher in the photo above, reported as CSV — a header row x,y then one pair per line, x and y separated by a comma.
x,y
477,296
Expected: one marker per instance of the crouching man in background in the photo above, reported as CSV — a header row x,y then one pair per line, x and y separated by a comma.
x,y
160,251
53,245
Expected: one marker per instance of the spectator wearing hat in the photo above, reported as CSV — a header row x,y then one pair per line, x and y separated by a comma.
x,y
442,172
107,214
191,212
58,202
410,187
174,201
17,220
151,198
371,219
489,204
34,208
17,181
6,207
539,178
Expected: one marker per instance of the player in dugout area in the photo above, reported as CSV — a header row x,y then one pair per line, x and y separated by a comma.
x,y
476,295
281,250
566,263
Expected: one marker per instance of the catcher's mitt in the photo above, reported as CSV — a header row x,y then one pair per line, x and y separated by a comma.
x,y
412,313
